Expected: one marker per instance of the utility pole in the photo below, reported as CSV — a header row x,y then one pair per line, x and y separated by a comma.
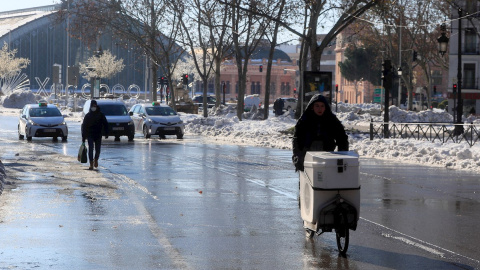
x,y
400,65
459,128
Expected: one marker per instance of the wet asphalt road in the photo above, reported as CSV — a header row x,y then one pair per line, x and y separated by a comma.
x,y
187,204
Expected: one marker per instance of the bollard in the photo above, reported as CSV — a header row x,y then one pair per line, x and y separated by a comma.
x,y
371,129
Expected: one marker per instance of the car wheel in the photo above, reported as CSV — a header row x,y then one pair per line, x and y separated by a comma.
x,y
162,137
54,139
29,138
130,138
64,138
179,135
145,132
117,138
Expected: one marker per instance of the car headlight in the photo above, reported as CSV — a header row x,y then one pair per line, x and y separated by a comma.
x,y
32,123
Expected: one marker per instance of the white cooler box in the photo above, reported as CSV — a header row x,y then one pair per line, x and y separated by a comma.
x,y
326,175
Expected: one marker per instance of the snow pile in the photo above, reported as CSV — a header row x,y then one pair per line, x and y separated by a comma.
x,y
430,116
450,155
18,99
228,128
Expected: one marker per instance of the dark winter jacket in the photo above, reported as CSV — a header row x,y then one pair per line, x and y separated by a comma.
x,y
93,124
317,133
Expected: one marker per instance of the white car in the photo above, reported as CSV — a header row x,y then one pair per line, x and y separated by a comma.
x,y
42,120
289,103
250,101
157,119
415,106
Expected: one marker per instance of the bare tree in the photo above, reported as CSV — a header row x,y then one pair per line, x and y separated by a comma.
x,y
104,66
248,29
10,69
199,39
403,27
152,24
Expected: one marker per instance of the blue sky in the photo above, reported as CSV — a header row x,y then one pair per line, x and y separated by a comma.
x,y
7,5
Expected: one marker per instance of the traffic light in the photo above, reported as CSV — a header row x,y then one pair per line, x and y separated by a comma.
x,y
336,88
260,68
185,79
161,81
454,88
434,89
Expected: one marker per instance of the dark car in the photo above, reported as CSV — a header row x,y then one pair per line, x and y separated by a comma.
x,y
198,100
119,121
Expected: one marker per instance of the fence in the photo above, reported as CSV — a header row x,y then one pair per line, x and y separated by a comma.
x,y
443,132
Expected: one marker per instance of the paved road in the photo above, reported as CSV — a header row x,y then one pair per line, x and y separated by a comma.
x,y
187,204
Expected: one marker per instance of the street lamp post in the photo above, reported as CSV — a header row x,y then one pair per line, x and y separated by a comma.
x,y
457,89
399,72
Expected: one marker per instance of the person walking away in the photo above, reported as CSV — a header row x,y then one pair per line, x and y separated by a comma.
x,y
275,107
281,104
317,129
93,124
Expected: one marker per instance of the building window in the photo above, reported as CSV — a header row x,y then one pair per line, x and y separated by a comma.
x,y
236,88
469,76
470,41
283,89
259,88
252,88
227,89
437,77
273,90
471,6
287,89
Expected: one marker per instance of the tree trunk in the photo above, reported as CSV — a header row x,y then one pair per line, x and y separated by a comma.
x,y
218,86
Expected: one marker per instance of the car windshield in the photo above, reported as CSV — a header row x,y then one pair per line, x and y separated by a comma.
x,y
160,111
44,112
113,109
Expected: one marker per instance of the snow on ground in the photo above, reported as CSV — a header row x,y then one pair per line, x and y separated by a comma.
x,y
223,126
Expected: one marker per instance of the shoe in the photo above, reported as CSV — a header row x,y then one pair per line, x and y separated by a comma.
x,y
91,166
95,163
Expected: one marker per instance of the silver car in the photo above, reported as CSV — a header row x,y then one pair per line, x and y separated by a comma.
x,y
157,119
42,120
289,104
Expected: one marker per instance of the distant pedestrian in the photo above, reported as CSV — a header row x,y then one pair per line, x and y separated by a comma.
x,y
278,106
93,124
472,111
281,105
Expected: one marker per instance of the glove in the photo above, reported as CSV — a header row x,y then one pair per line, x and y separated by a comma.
x,y
106,136
298,163
83,139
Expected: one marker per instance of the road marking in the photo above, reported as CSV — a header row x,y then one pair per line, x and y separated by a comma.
x,y
174,254
434,249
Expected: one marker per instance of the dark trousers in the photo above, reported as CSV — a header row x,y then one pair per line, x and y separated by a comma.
x,y
97,142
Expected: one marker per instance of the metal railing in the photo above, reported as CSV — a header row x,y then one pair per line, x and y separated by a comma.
x,y
443,132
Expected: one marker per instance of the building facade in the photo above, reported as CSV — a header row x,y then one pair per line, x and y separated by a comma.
x,y
468,53
35,35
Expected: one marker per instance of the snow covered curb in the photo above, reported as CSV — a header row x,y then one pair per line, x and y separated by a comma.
x,y
451,155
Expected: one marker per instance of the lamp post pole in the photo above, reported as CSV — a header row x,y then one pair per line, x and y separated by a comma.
x,y
459,107
399,96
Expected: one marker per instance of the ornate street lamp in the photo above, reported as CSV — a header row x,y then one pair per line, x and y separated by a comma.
x,y
442,41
